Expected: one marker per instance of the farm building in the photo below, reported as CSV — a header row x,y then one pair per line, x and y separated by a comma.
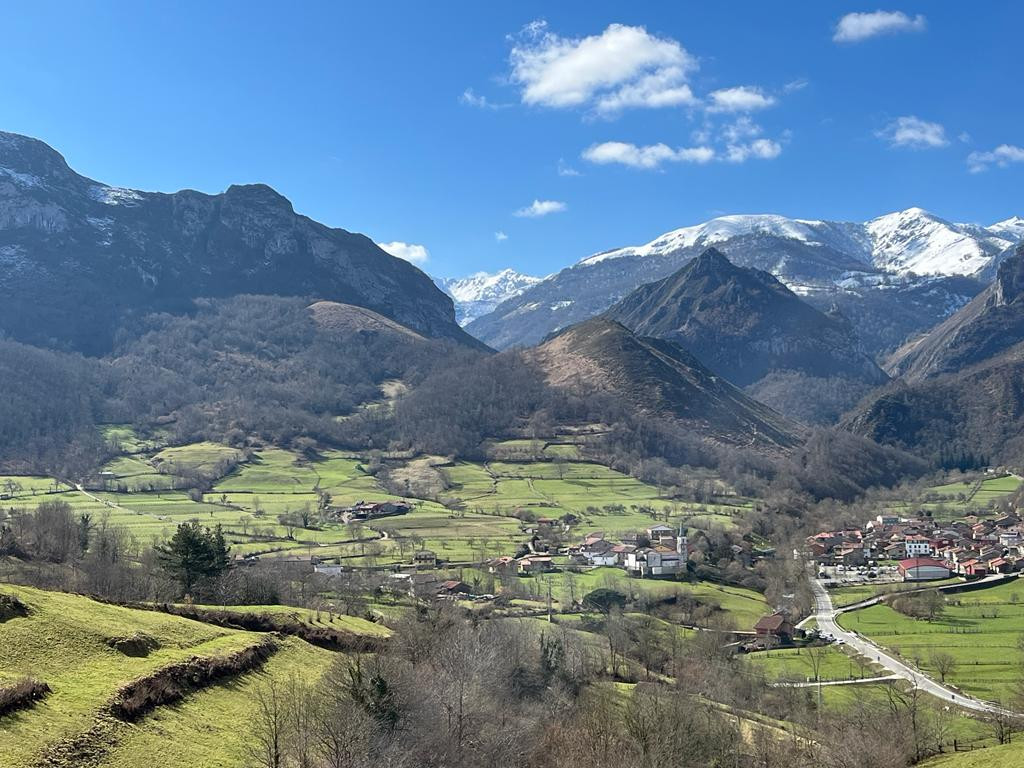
x,y
371,510
923,569
776,627
425,557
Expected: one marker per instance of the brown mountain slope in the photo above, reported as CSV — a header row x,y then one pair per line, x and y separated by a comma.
x,y
659,378
744,324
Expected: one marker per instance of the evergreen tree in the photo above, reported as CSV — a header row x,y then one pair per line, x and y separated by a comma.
x,y
194,554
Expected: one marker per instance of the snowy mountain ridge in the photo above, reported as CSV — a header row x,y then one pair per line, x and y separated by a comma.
x,y
477,294
907,241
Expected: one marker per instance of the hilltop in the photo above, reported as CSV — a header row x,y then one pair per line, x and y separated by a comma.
x,y
659,378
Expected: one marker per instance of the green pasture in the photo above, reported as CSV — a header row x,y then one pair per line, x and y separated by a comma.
x,y
843,596
979,629
795,664
64,643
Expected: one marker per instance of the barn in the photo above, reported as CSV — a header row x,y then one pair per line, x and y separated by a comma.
x,y
923,569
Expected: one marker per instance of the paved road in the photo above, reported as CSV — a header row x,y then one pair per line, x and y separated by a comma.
x,y
826,618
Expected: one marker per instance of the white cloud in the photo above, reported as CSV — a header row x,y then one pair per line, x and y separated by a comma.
x,y
796,85
647,157
1002,156
415,254
855,27
622,67
564,169
742,128
500,236
470,97
539,208
759,149
914,133
742,98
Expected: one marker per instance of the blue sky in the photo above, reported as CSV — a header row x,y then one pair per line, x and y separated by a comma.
x,y
433,124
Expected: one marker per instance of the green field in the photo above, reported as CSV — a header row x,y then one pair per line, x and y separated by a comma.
x,y
145,492
979,629
744,606
1003,756
311,617
64,643
954,500
603,498
210,728
794,664
843,596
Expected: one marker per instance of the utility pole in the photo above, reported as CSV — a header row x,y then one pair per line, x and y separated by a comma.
x,y
549,601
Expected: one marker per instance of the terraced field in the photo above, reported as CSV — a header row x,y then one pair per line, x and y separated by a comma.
x,y
952,501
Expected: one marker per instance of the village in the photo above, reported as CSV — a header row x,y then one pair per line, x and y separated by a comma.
x,y
921,548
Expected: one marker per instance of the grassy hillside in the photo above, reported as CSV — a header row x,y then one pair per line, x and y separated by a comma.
x,y
65,641
1004,756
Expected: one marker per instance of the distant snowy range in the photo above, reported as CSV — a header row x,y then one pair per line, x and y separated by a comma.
x,y
891,276
479,294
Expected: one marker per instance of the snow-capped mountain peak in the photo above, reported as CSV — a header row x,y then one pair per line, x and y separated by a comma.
x,y
912,240
917,241
1011,228
479,293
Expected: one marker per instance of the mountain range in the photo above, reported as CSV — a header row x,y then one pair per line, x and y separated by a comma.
x,y
911,268
479,293
79,258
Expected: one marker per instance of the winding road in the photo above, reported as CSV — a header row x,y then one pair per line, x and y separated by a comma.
x,y
826,617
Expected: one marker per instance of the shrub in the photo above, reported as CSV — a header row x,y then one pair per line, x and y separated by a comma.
x,y
175,681
12,608
22,693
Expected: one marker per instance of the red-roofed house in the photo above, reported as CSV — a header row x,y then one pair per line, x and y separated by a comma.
x,y
776,627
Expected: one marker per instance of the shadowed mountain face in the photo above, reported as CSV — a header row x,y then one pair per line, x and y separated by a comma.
x,y
990,325
659,378
78,258
962,386
744,324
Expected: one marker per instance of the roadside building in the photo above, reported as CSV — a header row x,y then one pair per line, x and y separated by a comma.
x,y
917,546
923,569
776,628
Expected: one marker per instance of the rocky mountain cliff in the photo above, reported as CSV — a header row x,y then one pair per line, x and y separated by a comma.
x,y
990,325
78,258
659,378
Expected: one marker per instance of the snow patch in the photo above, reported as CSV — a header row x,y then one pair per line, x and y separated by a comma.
x,y
21,179
114,195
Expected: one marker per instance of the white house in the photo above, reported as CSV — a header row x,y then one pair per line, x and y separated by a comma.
x,y
917,546
600,552
655,561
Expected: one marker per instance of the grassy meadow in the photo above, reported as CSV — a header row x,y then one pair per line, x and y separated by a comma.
x,y
979,629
